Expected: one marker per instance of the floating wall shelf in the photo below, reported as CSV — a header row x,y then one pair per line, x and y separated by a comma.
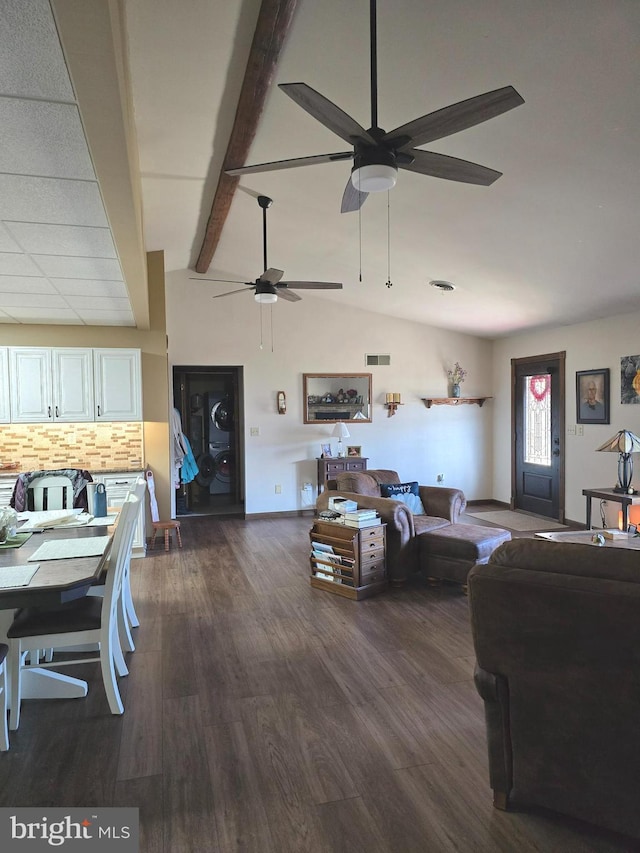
x,y
452,401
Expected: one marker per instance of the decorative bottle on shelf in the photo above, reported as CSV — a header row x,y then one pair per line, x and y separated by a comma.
x,y
455,390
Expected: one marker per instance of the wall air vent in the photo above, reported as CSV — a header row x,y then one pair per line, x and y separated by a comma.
x,y
372,360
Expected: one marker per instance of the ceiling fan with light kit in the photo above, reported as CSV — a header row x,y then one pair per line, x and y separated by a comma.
x,y
378,154
269,286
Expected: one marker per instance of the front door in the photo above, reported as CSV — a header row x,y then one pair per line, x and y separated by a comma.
x,y
538,435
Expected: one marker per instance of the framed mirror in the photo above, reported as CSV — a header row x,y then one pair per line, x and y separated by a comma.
x,y
333,397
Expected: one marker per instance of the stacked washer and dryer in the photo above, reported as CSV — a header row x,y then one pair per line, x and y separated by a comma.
x,y
216,463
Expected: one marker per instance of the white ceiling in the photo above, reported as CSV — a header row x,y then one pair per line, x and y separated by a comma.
x,y
58,262
553,241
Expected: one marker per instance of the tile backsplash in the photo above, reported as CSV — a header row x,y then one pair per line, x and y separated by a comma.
x,y
90,446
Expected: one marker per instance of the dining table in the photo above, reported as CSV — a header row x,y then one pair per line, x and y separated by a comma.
x,y
55,582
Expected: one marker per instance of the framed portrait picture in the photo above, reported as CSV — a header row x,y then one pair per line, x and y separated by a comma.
x,y
354,450
325,451
592,396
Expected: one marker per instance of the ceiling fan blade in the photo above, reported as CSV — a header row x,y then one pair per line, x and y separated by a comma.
x,y
352,199
290,296
291,164
453,118
225,280
228,293
311,285
271,276
326,112
450,168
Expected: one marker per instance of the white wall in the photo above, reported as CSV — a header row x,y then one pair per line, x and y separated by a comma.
x,y
589,346
317,335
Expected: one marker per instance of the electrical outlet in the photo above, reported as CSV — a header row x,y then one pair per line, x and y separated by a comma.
x,y
254,431
579,429
440,478
278,489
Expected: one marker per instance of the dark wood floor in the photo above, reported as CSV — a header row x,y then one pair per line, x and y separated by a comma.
x,y
262,715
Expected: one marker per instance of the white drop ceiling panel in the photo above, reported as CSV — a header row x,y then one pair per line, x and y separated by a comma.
x,y
31,60
55,316
43,139
61,267
25,284
7,243
54,200
89,287
13,264
31,300
62,239
90,304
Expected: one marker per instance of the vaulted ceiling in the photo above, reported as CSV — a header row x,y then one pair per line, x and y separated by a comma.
x,y
553,241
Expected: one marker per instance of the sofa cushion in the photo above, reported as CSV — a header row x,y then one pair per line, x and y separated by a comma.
x,y
407,493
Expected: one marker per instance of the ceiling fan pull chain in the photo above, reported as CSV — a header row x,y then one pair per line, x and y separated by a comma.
x,y
360,237
389,282
261,340
271,318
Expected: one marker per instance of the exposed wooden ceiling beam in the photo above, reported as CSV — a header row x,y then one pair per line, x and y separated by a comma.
x,y
274,23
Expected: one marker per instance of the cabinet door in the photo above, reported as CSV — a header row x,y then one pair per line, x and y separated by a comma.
x,y
30,382
5,403
72,385
118,385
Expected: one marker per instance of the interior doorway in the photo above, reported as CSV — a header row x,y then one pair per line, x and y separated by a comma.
x,y
538,407
209,401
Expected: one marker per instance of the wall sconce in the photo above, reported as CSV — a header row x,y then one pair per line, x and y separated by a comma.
x,y
392,403
282,403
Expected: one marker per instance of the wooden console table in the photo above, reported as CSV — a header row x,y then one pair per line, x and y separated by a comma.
x,y
609,495
329,467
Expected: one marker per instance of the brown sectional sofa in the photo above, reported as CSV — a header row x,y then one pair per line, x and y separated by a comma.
x,y
556,630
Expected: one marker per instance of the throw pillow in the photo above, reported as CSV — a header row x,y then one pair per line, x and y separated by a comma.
x,y
406,493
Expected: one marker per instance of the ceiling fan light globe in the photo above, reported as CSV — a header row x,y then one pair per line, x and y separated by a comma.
x,y
374,178
266,298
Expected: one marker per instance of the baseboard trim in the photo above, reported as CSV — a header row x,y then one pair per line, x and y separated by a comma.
x,y
291,513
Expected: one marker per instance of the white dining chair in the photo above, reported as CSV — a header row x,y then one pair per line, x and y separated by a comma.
x,y
51,491
92,619
4,732
127,616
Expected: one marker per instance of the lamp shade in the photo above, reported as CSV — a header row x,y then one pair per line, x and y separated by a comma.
x,y
340,431
624,441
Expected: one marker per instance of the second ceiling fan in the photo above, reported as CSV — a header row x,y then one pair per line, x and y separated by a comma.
x,y
378,154
268,286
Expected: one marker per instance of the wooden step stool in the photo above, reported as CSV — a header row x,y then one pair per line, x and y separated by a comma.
x,y
167,526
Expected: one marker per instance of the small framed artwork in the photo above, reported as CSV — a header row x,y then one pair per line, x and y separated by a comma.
x,y
354,450
592,396
325,451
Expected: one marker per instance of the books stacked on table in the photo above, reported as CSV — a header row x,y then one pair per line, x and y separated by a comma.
x,y
361,518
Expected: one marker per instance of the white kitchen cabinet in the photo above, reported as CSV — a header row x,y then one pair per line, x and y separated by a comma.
x,y
118,384
51,385
5,399
117,487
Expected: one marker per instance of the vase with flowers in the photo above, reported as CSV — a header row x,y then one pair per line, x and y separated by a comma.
x,y
456,376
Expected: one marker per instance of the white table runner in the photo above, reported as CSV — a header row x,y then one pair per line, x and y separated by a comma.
x,y
67,549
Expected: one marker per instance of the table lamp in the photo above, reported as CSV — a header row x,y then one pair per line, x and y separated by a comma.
x,y
624,442
340,431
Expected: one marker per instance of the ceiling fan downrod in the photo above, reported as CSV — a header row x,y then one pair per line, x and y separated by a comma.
x,y
374,64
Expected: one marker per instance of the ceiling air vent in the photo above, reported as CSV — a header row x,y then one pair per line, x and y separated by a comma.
x,y
372,360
